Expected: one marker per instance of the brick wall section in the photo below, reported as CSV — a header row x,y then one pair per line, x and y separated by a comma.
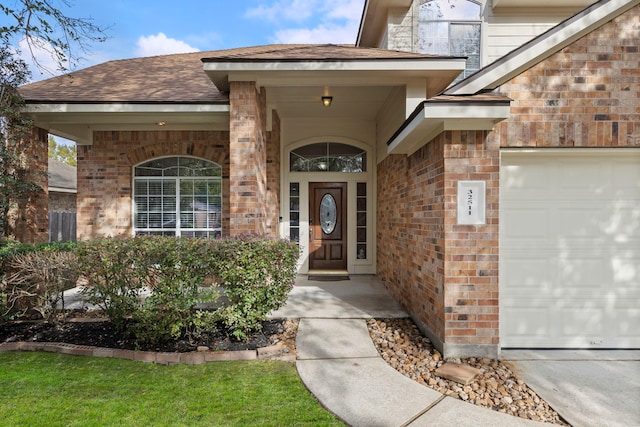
x,y
105,174
584,96
29,221
471,251
248,159
273,178
410,232
444,274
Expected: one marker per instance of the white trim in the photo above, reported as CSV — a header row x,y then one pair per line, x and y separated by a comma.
x,y
127,108
178,229
354,265
541,47
62,190
439,117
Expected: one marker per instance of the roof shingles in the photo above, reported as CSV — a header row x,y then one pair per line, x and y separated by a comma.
x,y
180,78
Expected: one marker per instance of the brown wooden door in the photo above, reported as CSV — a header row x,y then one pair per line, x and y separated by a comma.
x,y
327,226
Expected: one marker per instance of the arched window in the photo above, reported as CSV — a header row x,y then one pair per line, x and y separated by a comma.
x,y
328,157
451,27
178,196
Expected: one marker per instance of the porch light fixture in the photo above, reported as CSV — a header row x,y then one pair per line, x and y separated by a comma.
x,y
326,101
161,123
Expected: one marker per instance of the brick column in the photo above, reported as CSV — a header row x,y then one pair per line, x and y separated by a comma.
x,y
30,218
248,160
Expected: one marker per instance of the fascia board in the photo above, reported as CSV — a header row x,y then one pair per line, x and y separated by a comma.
x,y
125,108
436,118
542,47
426,64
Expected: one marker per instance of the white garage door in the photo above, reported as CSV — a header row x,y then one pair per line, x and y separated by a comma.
x,y
570,249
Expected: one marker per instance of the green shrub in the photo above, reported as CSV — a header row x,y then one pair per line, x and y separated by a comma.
x,y
257,275
149,286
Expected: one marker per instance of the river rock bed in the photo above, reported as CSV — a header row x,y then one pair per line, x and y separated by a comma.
x,y
402,345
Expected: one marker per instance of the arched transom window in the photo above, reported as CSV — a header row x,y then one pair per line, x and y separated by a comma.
x,y
178,196
451,28
328,157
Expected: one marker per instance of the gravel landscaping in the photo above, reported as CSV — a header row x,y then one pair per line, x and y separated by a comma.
x,y
403,346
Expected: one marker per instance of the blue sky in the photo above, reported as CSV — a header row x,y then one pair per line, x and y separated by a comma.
x,y
156,27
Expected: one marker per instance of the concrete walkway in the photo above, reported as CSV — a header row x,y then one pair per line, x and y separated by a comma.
x,y
590,388
339,364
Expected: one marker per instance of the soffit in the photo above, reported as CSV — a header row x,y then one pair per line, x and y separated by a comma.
x,y
78,121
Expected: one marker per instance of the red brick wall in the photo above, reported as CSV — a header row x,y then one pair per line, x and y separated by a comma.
x,y
29,221
471,251
410,232
445,274
105,174
584,96
248,159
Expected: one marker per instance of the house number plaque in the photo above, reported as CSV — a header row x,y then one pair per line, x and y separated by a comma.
x,y
471,202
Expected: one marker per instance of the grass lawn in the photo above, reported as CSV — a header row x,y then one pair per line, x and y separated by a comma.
x,y
61,390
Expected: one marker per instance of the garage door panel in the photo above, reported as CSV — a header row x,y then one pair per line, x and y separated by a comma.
x,y
527,222
526,274
570,249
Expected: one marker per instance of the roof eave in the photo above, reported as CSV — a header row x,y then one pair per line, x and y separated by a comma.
x,y
78,121
432,118
308,72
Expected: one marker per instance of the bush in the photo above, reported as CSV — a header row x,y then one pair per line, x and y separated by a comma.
x,y
149,285
36,280
257,275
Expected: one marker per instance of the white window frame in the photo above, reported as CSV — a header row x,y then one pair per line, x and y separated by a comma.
x,y
178,230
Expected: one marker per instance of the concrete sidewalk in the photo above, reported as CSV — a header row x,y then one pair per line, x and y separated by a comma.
x,y
339,364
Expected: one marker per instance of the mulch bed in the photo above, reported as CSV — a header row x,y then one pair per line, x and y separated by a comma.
x,y
100,332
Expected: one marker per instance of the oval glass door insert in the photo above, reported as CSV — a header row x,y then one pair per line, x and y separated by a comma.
x,y
328,214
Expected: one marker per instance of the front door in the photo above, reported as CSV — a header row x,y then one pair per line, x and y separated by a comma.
x,y
327,225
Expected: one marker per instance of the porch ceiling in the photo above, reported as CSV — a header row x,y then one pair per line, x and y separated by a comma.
x,y
78,121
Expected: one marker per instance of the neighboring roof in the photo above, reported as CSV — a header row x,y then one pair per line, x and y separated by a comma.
x,y
541,47
62,177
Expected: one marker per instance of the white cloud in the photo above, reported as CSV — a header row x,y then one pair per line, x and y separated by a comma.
x,y
288,10
160,44
329,21
319,35
37,53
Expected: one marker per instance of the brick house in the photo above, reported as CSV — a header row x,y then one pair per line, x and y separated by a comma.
x,y
483,160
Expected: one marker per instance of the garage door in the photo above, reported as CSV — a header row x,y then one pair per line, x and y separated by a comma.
x,y
570,249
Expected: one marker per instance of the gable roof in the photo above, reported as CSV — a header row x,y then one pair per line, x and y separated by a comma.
x,y
62,177
541,47
179,78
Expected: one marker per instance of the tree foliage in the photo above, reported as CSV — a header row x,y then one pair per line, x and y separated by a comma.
x,y
63,153
39,26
